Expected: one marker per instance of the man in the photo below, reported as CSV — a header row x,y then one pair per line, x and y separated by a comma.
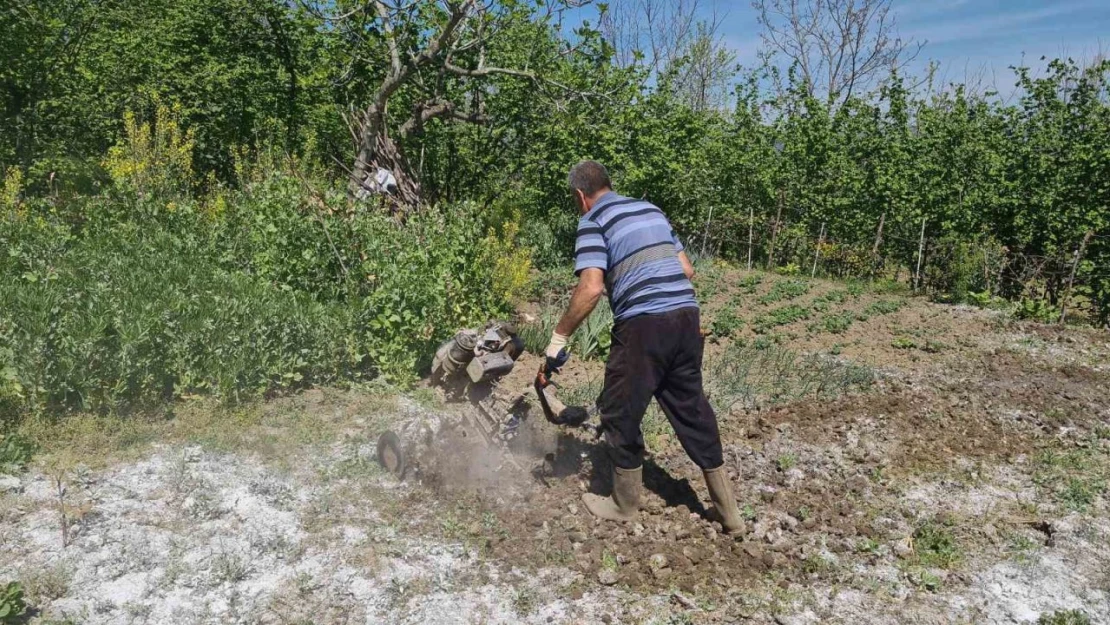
x,y
627,247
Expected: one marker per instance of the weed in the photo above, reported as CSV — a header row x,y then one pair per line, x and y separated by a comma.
x,y
525,600
785,290
229,568
1074,478
608,561
868,545
924,579
935,545
12,605
45,584
786,462
1020,547
1065,617
903,342
748,512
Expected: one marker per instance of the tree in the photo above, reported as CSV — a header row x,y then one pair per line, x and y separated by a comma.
x,y
677,43
441,63
840,47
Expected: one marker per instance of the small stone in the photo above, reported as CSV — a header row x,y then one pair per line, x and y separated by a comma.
x,y
753,550
693,555
809,523
607,577
9,483
682,533
902,549
662,574
577,537
605,618
767,496
637,529
711,533
657,561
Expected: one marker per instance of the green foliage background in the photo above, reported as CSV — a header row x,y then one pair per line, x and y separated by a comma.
x,y
254,275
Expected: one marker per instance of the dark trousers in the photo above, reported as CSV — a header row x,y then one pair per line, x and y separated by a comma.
x,y
658,356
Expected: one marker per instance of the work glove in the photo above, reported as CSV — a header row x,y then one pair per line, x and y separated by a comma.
x,y
556,354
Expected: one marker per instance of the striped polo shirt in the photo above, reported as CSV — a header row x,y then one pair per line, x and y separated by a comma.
x,y
634,244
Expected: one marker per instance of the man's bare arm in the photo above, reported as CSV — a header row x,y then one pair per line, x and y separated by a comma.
x,y
591,286
687,266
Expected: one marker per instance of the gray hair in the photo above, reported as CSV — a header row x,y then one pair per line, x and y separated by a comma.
x,y
589,177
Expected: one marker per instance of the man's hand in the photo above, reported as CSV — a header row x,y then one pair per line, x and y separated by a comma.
x,y
556,353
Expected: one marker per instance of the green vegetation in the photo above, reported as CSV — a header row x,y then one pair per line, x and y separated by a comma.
x,y
780,317
759,376
836,323
726,323
884,307
15,453
1065,617
785,290
1074,478
178,217
12,605
934,545
903,342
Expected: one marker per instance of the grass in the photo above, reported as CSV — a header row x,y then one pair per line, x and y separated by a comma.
x,y
1074,478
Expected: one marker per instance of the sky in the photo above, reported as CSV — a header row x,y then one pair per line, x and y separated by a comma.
x,y
969,38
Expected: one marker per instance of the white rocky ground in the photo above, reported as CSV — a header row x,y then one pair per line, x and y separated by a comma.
x,y
186,536
193,536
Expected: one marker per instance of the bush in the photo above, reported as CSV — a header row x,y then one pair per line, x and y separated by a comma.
x,y
152,298
1037,310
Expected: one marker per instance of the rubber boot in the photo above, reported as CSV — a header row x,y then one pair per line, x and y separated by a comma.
x,y
624,503
720,491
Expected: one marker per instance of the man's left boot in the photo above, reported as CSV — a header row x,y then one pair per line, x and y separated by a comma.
x,y
624,503
720,491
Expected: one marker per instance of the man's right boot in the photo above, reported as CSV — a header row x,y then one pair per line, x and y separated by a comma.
x,y
720,491
624,503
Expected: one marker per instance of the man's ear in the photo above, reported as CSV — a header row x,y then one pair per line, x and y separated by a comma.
x,y
581,197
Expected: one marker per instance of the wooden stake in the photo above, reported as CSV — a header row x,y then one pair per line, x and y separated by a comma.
x,y
705,235
1071,279
751,225
878,235
920,252
775,232
817,252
